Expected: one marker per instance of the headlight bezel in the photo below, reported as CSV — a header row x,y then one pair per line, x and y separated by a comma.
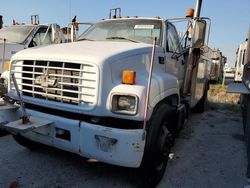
x,y
116,99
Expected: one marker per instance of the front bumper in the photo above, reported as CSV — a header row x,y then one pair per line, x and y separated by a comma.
x,y
116,146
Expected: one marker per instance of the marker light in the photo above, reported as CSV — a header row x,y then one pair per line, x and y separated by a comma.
x,y
190,13
7,65
128,77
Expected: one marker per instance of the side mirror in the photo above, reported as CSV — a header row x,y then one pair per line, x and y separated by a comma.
x,y
56,38
199,34
73,33
246,71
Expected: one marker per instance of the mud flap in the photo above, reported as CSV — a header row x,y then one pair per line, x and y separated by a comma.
x,y
34,123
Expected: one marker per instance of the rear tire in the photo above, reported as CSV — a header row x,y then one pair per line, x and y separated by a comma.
x,y
157,149
29,144
244,101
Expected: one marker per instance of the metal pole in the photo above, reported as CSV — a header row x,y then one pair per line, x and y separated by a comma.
x,y
197,11
148,88
224,77
25,115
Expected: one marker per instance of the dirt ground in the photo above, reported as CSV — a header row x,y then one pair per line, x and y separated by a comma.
x,y
209,153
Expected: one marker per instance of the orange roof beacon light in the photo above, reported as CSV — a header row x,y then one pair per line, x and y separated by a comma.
x,y
128,77
190,13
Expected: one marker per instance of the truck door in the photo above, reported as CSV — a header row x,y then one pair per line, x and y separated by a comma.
x,y
174,59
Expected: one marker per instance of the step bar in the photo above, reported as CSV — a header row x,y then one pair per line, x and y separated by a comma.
x,y
19,127
11,120
238,88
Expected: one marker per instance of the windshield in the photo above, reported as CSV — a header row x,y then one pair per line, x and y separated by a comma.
x,y
16,33
133,30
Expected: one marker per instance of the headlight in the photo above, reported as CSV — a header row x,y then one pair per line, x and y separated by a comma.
x,y
124,104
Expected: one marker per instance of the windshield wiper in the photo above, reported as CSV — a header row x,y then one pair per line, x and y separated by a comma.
x,y
85,39
123,38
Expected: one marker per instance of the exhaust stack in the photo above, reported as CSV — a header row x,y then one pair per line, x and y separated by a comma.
x,y
1,21
197,11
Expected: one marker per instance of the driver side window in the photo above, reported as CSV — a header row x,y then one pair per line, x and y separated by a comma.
x,y
42,37
173,44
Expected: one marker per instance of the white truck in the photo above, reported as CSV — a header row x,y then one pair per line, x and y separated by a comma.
x,y
243,88
21,36
239,63
111,96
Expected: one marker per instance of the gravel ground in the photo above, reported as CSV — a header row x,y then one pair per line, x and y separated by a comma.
x,y
209,153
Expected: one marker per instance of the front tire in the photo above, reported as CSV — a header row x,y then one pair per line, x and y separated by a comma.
x,y
157,149
3,132
29,144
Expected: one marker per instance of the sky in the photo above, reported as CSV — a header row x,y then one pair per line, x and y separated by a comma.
x,y
230,18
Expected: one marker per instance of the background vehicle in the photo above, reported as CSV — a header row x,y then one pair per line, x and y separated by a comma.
x,y
244,89
21,36
113,96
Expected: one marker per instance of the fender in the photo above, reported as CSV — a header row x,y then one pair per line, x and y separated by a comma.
x,y
163,86
5,75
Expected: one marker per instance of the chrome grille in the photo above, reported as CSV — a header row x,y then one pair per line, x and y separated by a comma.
x,y
64,82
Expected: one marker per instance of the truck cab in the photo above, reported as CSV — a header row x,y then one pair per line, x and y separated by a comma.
x,y
21,36
18,37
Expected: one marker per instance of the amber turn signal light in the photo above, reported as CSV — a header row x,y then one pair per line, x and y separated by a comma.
x,y
7,65
128,77
190,13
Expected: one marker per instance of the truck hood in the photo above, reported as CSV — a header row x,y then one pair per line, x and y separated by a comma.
x,y
90,51
10,49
